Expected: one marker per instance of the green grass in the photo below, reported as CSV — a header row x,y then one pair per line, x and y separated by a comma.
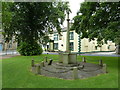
x,y
16,74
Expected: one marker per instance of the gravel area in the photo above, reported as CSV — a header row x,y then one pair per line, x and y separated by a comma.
x,y
59,70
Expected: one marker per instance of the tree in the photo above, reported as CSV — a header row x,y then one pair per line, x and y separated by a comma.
x,y
30,20
45,40
99,20
6,20
6,15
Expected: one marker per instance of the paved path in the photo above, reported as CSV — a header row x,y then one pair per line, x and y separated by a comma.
x,y
60,70
9,54
112,54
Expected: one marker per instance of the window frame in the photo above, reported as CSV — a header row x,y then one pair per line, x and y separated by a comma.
x,y
55,37
72,49
71,35
57,46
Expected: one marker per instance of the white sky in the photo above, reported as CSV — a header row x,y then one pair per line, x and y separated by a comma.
x,y
74,6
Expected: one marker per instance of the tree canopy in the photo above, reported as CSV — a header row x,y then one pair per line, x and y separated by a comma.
x,y
29,21
99,20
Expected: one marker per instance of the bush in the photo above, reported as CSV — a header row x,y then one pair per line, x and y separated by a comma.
x,y
29,49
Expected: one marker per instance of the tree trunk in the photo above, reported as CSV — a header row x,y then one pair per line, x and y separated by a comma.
x,y
3,47
118,49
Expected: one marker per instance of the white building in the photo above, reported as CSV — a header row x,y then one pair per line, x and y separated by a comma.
x,y
59,43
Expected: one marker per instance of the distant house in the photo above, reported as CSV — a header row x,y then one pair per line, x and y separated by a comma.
x,y
11,45
59,43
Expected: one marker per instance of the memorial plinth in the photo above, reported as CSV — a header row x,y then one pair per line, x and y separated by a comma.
x,y
68,58
68,67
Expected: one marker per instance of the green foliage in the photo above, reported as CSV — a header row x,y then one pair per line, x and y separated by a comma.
x,y
29,49
29,21
45,40
99,20
6,20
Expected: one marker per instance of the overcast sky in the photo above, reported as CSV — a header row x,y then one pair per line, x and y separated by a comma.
x,y
74,6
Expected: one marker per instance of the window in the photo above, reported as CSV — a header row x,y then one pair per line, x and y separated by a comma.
x,y
71,35
109,47
95,47
56,37
10,44
47,47
71,46
56,46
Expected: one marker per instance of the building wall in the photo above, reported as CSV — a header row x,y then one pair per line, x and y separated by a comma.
x,y
86,45
10,46
7,46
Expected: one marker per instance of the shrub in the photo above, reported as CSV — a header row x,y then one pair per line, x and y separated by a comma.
x,y
29,49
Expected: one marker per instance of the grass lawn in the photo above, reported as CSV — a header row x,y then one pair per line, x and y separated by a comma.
x,y
16,74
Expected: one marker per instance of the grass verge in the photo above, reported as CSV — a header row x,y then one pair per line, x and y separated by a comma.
x,y
16,74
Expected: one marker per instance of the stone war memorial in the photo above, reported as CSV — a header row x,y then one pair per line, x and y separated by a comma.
x,y
68,67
